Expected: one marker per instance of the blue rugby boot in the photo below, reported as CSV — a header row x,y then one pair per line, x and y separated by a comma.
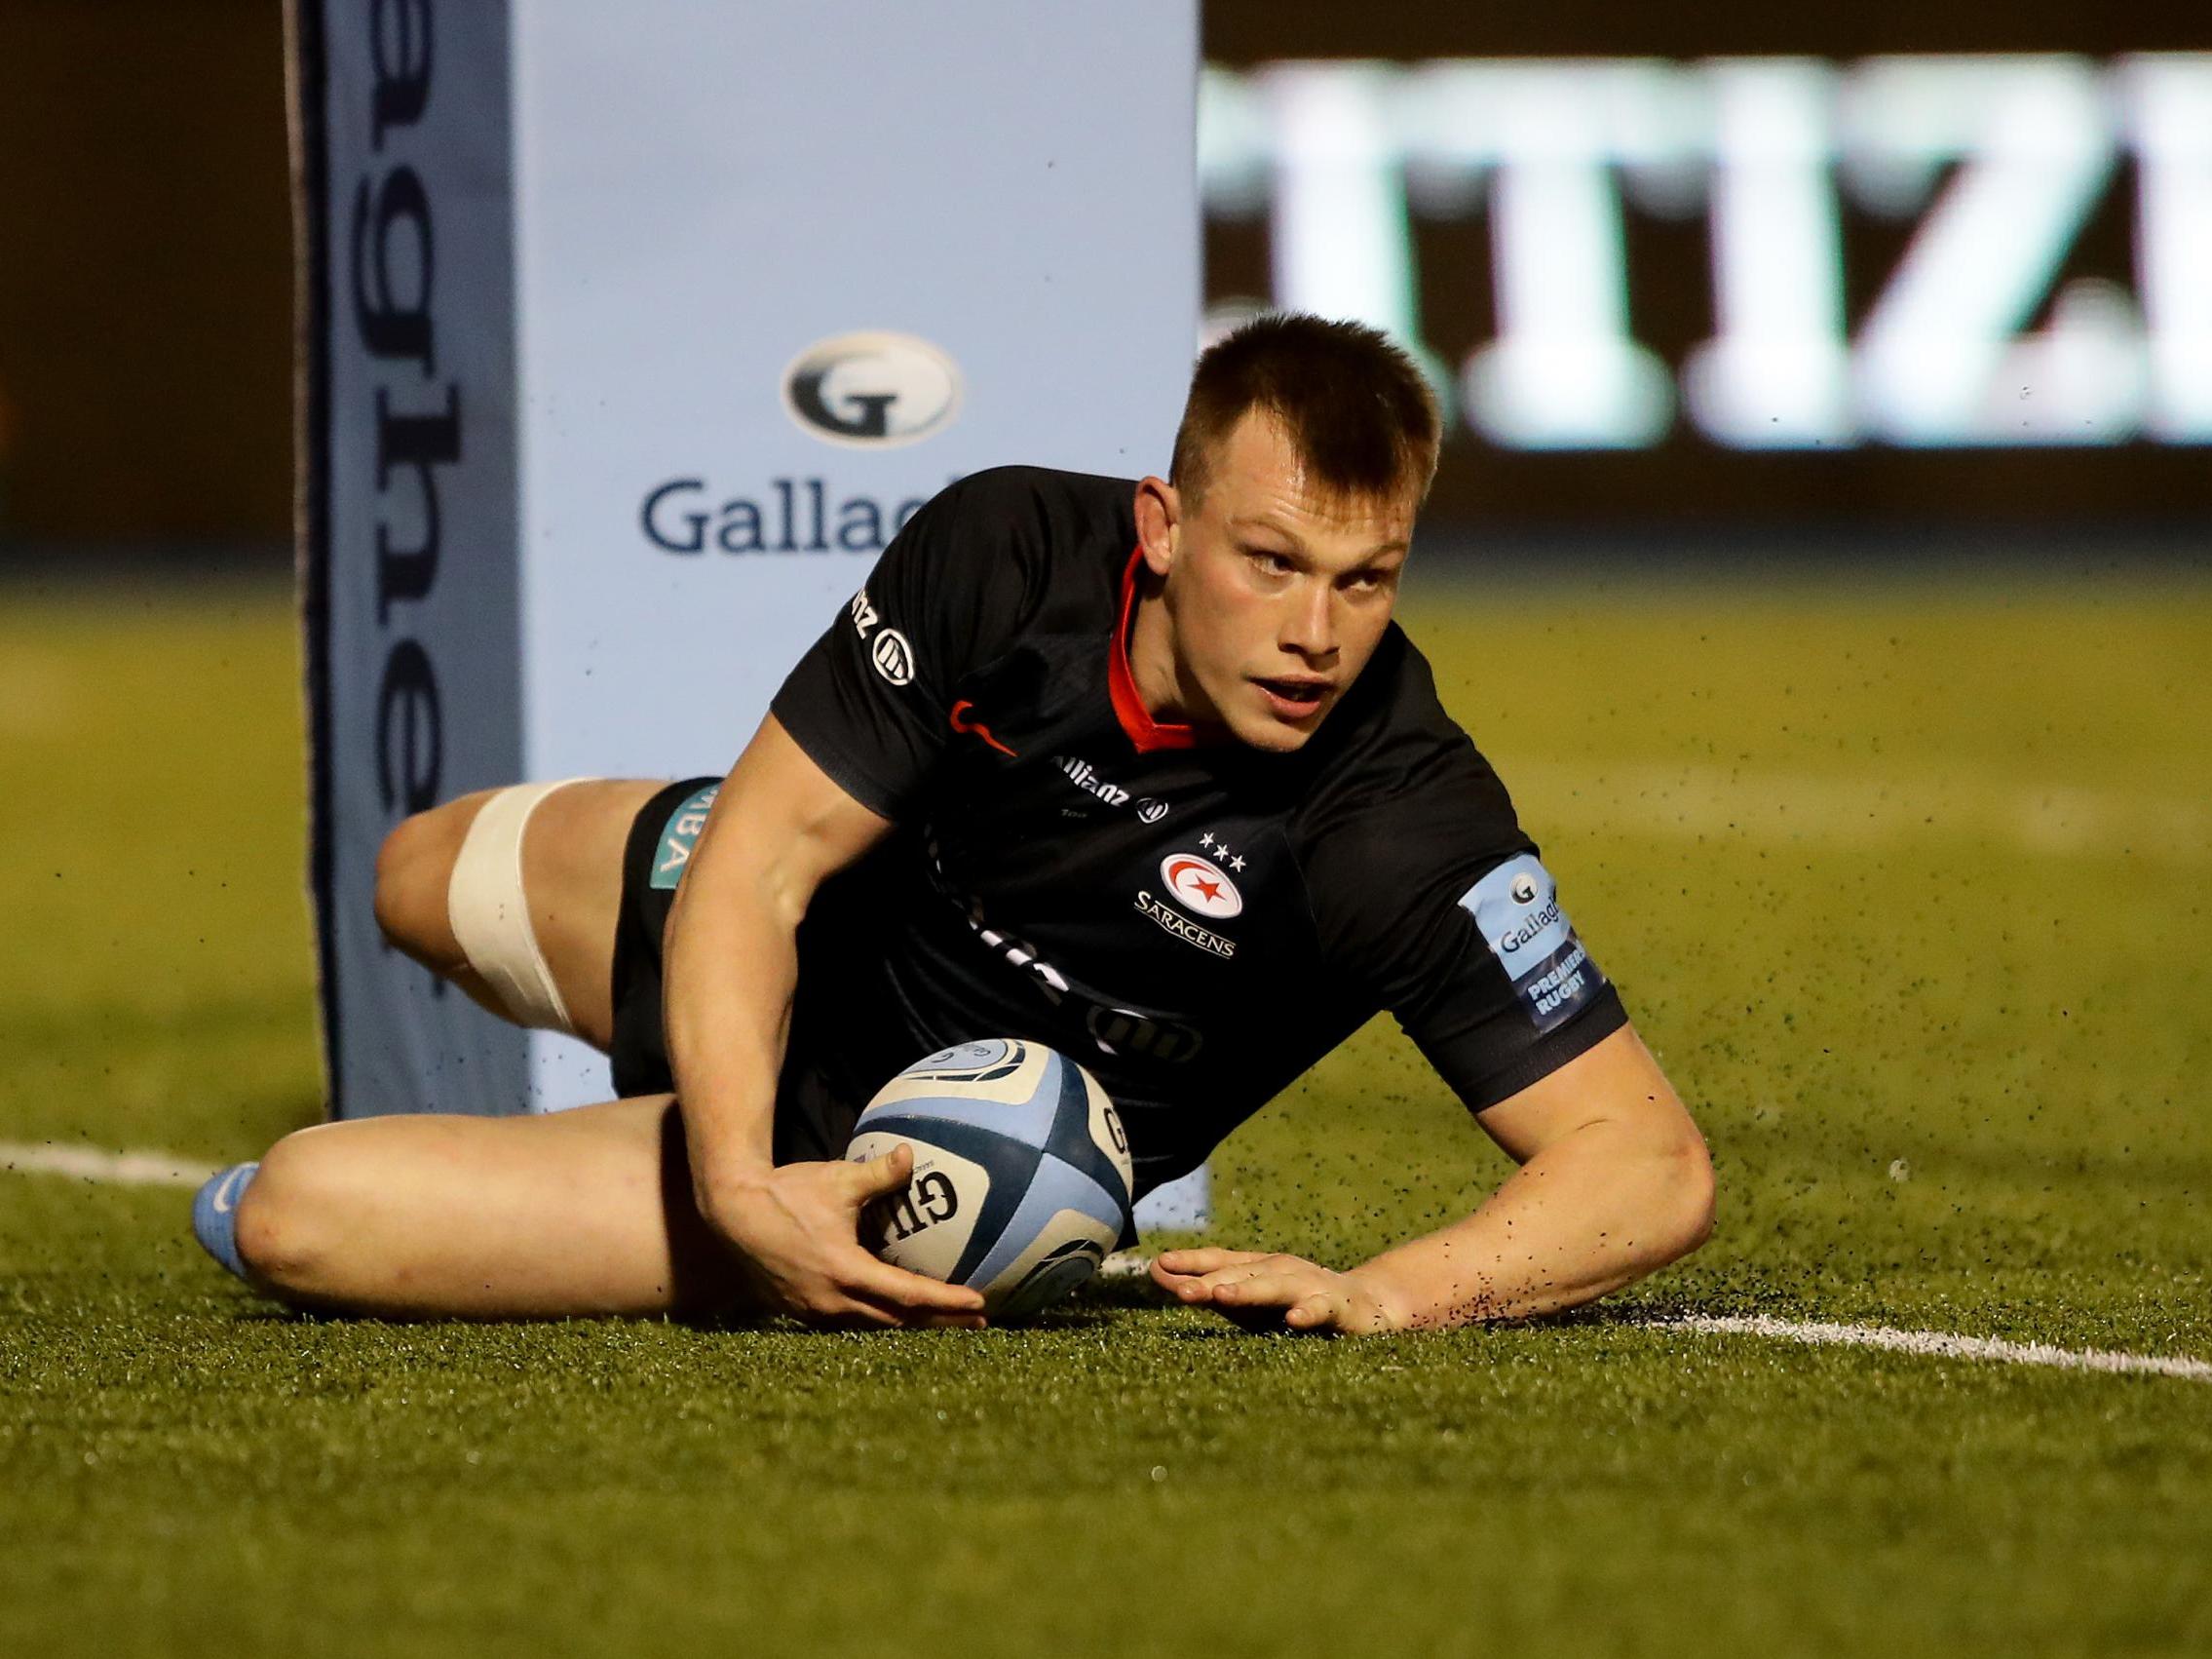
x,y
214,1215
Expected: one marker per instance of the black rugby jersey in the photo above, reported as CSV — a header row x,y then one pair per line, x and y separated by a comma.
x,y
1197,924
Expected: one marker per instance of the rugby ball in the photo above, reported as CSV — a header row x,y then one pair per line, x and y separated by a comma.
x,y
1021,1181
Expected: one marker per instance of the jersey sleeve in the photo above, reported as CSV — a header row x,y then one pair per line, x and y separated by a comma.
x,y
871,699
1437,906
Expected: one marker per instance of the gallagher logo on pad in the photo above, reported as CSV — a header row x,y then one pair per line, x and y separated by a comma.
x,y
1198,884
872,390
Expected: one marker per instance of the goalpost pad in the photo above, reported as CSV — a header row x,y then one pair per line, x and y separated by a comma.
x,y
629,337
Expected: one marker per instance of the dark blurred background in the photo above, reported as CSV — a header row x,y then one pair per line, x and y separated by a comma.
x,y
145,273
145,279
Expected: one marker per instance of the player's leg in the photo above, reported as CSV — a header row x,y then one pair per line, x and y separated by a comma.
x,y
512,895
577,1212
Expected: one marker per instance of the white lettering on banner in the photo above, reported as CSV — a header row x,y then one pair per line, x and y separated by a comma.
x,y
1564,371
2168,107
1937,362
2002,158
1776,374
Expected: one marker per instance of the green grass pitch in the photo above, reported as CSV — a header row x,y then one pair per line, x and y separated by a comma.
x,y
1906,880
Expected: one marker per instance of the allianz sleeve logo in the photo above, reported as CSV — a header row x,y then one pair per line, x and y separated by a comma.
x,y
892,654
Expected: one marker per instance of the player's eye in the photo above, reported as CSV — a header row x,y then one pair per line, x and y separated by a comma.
x,y
1274,563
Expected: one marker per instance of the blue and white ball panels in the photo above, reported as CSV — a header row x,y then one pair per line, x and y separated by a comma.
x,y
1022,1179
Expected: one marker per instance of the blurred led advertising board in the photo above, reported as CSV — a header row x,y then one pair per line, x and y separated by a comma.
x,y
1773,285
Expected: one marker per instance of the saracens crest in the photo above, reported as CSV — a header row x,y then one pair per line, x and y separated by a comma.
x,y
1198,884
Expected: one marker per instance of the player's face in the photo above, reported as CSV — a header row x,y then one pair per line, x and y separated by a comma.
x,y
1278,591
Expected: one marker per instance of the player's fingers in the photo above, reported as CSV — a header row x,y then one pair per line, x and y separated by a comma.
x,y
1266,1288
896,1288
900,1317
1215,1286
1191,1261
1178,1286
1322,1310
849,1313
1166,1279
1239,1272
877,1176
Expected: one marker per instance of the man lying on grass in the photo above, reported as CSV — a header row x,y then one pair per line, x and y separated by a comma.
x,y
1142,770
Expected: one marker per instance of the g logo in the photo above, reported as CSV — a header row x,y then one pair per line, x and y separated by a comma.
x,y
871,390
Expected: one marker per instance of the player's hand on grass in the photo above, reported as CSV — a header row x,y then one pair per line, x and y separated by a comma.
x,y
1274,1292
797,1232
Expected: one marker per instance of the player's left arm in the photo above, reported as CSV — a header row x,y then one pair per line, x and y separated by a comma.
x,y
1614,1183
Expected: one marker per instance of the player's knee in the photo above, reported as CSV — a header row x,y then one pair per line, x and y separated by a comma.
x,y
413,870
291,1220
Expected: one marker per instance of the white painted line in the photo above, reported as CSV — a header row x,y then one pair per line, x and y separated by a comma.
x,y
1937,1344
89,1162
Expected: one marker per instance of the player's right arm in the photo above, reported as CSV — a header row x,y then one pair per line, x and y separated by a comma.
x,y
778,829
856,734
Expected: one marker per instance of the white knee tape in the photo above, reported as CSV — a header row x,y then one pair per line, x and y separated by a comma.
x,y
491,917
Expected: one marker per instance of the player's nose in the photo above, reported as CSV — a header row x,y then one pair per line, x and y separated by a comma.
x,y
1309,624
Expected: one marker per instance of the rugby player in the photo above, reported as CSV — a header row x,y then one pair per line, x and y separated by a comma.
x,y
1142,770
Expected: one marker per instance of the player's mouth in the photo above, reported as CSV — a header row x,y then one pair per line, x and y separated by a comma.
x,y
1294,697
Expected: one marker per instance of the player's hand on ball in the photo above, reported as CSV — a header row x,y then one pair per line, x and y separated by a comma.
x,y
797,1231
1274,1292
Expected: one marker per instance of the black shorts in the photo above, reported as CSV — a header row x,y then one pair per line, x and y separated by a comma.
x,y
812,1119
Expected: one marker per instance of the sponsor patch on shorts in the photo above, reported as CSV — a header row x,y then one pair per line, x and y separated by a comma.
x,y
679,835
1517,907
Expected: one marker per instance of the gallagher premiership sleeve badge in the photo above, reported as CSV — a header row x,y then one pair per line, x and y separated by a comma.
x,y
1517,905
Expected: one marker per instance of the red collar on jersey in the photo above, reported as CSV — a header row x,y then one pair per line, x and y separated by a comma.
x,y
1146,733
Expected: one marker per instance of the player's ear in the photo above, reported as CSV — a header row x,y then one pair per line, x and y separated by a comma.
x,y
1158,514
